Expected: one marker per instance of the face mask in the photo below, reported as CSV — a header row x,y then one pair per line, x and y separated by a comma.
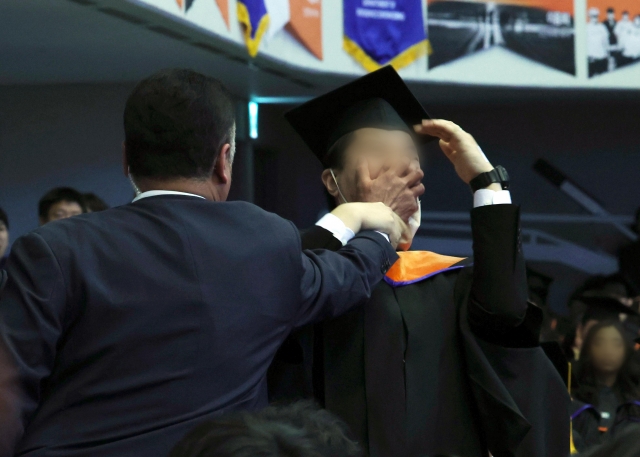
x,y
337,186
414,225
133,184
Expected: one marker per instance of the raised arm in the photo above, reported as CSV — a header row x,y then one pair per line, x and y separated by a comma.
x,y
332,283
498,298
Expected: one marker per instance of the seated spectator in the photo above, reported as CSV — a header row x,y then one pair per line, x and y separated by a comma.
x,y
60,203
297,430
607,398
4,237
94,203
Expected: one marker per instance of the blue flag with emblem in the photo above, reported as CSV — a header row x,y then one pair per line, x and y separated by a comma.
x,y
384,32
252,14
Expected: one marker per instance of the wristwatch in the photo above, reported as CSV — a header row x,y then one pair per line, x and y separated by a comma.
x,y
497,175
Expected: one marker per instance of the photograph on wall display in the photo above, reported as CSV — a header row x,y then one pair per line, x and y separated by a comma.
x,y
613,35
541,30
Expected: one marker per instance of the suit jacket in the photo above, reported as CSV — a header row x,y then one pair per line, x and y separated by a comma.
x,y
449,365
130,326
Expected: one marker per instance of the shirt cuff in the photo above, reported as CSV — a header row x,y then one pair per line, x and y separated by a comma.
x,y
335,225
484,197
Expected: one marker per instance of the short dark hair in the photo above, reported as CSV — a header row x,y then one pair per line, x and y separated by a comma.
x,y
4,218
335,154
335,160
297,430
59,194
610,10
175,122
329,434
94,203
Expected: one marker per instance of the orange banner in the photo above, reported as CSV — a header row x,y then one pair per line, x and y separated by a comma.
x,y
306,24
179,2
223,5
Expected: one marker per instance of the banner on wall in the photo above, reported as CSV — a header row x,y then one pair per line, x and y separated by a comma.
x,y
382,32
613,35
263,19
223,6
253,17
541,30
306,24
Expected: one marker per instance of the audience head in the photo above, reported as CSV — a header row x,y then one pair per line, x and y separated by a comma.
x,y
4,233
611,14
326,431
94,203
299,430
594,14
60,203
607,353
180,126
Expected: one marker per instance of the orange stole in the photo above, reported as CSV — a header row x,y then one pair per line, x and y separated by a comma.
x,y
415,266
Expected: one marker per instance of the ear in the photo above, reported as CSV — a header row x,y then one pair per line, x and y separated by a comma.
x,y
329,183
125,162
222,167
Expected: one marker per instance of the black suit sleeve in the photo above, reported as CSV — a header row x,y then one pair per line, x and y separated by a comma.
x,y
498,299
334,282
31,316
317,237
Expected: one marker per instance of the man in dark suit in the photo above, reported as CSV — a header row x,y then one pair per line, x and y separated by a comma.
x,y
131,325
444,359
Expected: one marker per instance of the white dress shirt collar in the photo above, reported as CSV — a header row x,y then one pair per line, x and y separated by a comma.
x,y
153,193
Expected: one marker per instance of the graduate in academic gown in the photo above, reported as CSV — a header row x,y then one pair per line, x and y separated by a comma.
x,y
444,359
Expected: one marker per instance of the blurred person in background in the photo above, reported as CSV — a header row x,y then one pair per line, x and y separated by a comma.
x,y
60,203
94,203
597,44
4,237
614,46
607,398
297,430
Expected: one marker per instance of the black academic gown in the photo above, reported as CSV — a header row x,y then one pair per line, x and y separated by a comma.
x,y
449,365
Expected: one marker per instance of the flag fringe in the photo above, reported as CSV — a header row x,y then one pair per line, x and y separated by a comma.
x,y
252,43
406,57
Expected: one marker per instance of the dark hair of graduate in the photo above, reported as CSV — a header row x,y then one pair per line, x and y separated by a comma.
x,y
94,203
59,194
298,430
628,380
175,123
335,160
4,218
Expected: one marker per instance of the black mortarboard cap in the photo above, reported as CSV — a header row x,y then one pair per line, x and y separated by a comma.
x,y
604,307
380,99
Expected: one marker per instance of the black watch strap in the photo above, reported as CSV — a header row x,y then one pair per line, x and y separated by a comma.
x,y
497,175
